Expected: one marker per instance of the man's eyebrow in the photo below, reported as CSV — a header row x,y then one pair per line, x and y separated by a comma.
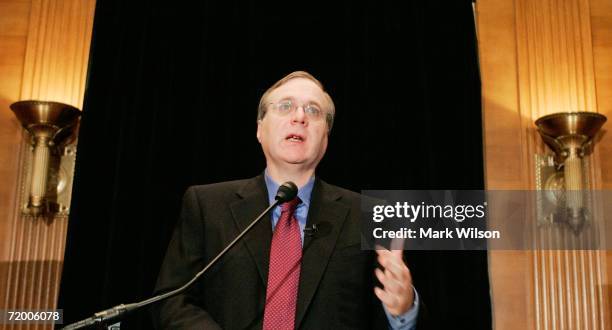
x,y
316,103
292,99
287,98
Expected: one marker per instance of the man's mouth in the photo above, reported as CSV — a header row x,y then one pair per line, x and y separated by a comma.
x,y
294,138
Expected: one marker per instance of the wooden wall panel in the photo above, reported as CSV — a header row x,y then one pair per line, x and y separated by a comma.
x,y
601,23
14,22
501,120
502,129
539,57
48,42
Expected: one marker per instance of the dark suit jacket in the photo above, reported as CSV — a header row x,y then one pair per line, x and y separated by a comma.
x,y
336,280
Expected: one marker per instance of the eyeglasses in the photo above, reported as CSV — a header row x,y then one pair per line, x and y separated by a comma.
x,y
283,108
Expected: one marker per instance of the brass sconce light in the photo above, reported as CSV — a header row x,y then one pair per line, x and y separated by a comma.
x,y
50,124
570,136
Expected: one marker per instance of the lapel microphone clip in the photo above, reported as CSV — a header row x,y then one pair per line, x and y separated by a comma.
x,y
311,231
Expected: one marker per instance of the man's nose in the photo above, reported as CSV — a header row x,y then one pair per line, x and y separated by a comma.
x,y
299,116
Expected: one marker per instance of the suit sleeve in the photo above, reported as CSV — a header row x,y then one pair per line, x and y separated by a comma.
x,y
184,258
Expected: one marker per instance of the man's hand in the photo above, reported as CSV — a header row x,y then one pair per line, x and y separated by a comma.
x,y
397,295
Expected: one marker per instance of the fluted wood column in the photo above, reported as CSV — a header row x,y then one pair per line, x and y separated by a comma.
x,y
556,74
54,68
537,58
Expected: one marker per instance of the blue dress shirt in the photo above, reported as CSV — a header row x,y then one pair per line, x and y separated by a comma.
x,y
406,321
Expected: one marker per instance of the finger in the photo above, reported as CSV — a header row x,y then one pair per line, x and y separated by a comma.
x,y
394,254
380,275
384,256
389,284
395,264
381,251
395,269
394,286
385,297
397,244
402,279
392,269
398,253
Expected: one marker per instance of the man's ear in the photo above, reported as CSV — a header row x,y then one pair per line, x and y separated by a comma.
x,y
259,130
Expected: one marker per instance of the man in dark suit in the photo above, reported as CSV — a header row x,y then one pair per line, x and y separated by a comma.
x,y
278,277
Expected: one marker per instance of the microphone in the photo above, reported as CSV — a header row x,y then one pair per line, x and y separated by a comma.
x,y
286,192
318,230
311,231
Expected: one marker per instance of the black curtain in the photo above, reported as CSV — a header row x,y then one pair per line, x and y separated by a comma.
x,y
171,102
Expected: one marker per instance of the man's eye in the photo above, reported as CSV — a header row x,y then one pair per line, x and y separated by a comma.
x,y
284,106
312,110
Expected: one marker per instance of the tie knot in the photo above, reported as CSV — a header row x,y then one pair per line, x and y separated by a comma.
x,y
290,205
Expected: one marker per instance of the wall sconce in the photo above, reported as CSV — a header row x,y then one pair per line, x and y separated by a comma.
x,y
47,172
565,174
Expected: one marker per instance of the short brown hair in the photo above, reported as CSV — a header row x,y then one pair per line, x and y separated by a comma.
x,y
329,118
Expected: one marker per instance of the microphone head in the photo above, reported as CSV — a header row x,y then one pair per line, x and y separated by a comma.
x,y
286,192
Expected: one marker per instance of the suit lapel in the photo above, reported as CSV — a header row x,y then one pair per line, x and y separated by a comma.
x,y
254,200
329,214
325,210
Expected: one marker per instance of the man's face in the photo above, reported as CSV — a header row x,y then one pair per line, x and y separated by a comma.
x,y
294,138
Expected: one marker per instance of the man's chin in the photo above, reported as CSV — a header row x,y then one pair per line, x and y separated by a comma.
x,y
293,158
298,162
295,161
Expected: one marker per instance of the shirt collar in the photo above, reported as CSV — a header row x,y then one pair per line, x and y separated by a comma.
x,y
304,192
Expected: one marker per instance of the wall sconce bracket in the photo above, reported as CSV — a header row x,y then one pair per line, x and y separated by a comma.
x,y
59,181
49,164
562,178
550,185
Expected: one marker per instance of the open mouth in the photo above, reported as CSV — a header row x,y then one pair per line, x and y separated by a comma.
x,y
294,138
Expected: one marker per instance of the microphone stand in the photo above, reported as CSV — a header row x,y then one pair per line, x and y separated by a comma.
x,y
120,310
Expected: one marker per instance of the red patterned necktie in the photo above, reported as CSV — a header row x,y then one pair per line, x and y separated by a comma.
x,y
284,271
